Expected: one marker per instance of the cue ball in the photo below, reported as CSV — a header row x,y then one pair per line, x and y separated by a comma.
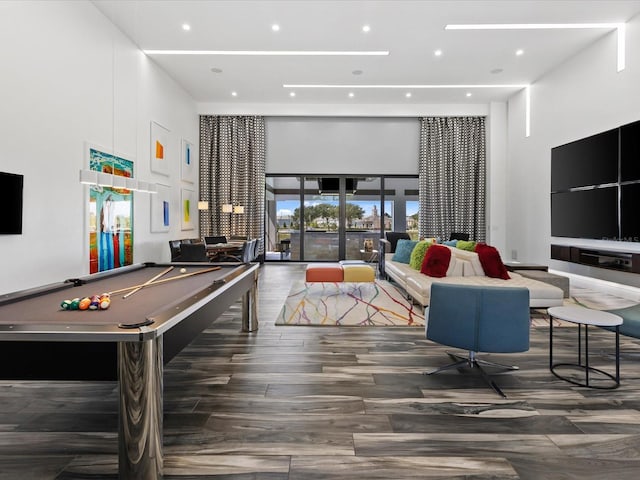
x,y
183,270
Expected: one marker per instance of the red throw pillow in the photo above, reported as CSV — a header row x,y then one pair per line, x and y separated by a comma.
x,y
491,262
436,261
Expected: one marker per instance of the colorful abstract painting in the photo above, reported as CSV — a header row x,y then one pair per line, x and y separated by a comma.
x,y
110,215
188,167
160,157
188,207
161,209
343,304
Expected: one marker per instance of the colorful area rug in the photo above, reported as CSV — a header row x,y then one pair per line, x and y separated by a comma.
x,y
349,304
382,304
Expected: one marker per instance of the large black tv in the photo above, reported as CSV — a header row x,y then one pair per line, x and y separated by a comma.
x,y
630,152
629,218
585,213
589,161
11,186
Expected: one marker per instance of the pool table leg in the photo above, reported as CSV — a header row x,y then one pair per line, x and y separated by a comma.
x,y
140,373
250,307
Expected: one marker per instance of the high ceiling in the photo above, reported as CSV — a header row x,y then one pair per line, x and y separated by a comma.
x,y
409,30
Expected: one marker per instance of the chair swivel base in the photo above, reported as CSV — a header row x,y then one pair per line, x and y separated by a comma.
x,y
472,361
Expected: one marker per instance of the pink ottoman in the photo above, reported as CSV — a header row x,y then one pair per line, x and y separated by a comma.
x,y
324,272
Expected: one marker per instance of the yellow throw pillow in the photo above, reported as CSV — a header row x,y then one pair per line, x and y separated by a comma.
x,y
418,253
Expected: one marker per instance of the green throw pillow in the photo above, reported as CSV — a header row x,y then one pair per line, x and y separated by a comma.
x,y
403,250
469,245
417,256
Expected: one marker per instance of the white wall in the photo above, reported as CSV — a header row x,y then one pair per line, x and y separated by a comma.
x,y
70,77
586,95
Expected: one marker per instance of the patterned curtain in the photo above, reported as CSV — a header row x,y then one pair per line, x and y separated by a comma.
x,y
452,176
232,166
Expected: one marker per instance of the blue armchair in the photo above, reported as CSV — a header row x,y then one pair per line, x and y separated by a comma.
x,y
478,319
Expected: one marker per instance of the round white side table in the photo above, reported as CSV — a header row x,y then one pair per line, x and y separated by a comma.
x,y
585,316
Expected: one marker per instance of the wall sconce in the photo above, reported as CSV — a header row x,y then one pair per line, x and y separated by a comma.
x,y
203,205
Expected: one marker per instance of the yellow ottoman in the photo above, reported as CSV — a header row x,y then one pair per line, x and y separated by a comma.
x,y
358,272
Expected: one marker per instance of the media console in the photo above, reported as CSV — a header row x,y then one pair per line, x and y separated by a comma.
x,y
595,257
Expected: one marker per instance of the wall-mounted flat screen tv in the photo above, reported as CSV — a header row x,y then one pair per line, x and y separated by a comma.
x,y
11,186
585,213
589,161
629,218
630,152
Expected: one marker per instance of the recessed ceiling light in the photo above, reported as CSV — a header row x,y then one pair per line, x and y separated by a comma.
x,y
366,28
468,94
186,27
216,70
357,72
275,27
234,94
408,94
351,95
292,94
519,52
437,52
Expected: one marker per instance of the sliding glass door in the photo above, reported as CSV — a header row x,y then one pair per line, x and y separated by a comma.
x,y
329,218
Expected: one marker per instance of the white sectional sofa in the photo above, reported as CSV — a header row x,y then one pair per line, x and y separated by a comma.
x,y
464,269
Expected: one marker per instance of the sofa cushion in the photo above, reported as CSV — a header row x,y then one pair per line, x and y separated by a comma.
x,y
468,245
472,264
403,250
393,237
436,261
417,255
491,261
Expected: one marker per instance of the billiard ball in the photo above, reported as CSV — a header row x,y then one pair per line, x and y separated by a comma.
x,y
183,270
84,303
74,304
95,303
66,304
105,301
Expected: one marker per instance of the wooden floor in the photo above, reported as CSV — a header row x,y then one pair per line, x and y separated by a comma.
x,y
310,403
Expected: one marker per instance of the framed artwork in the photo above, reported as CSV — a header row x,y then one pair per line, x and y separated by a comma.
x,y
188,209
188,171
110,215
161,209
159,149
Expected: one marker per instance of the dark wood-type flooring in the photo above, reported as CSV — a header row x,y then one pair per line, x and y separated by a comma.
x,y
310,403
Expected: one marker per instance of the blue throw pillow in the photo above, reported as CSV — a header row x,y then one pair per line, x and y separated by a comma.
x,y
450,243
403,250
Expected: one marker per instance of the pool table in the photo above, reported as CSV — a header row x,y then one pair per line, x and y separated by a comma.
x,y
130,341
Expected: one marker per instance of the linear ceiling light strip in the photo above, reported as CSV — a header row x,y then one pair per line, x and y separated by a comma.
x,y
619,27
327,53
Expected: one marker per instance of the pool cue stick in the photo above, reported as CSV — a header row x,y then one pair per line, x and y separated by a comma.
x,y
151,280
163,280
